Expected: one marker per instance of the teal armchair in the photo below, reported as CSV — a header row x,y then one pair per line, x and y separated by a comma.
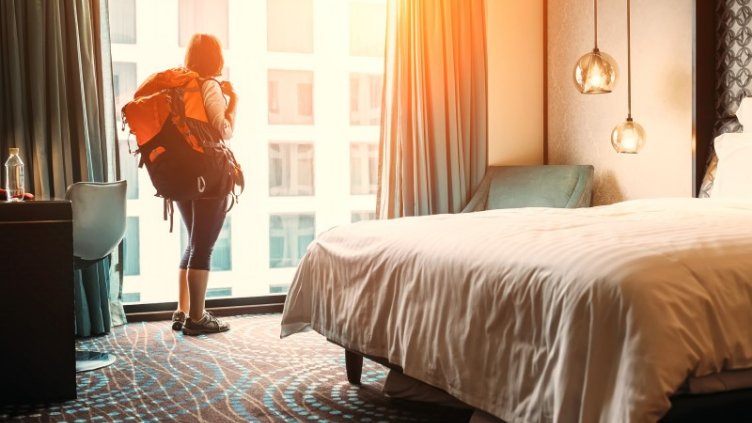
x,y
565,186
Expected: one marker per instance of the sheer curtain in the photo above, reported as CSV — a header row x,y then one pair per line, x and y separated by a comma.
x,y
57,106
434,116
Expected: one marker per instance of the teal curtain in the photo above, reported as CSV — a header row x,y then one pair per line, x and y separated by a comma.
x,y
91,296
57,106
433,143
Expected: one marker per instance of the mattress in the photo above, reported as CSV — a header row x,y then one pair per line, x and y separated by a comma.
x,y
538,315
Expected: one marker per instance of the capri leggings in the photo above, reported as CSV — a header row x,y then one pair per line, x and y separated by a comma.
x,y
203,219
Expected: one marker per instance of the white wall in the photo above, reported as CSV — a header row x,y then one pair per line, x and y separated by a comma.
x,y
579,126
516,51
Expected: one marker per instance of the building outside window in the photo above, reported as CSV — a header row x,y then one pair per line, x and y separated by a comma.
x,y
221,259
132,262
289,236
364,167
291,99
365,99
308,75
290,169
125,84
123,21
358,216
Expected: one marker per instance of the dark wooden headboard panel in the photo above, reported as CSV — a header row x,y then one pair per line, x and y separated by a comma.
x,y
723,76
704,93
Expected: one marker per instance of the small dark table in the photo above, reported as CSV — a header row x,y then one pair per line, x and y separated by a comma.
x,y
37,356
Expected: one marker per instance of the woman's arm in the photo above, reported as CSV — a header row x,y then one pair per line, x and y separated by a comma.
x,y
228,90
220,113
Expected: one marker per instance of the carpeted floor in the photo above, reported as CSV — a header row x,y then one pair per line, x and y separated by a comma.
x,y
246,374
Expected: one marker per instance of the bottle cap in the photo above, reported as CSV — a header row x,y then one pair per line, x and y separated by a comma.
x,y
14,150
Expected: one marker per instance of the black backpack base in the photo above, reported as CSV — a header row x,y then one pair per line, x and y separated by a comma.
x,y
178,172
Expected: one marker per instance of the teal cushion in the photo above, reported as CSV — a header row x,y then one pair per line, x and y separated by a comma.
x,y
534,186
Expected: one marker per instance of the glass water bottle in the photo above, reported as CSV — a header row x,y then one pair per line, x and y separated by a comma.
x,y
14,176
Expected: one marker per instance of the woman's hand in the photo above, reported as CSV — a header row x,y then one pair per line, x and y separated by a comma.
x,y
229,91
227,88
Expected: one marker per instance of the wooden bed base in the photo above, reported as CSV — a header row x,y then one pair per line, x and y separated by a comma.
x,y
354,364
731,406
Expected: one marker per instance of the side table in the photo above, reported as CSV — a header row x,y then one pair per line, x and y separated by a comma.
x,y
37,357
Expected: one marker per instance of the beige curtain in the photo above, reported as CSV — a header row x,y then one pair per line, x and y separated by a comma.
x,y
433,143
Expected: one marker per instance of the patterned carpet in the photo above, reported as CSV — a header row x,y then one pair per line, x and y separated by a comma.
x,y
246,374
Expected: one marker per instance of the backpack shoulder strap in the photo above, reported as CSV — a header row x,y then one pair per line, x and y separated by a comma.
x,y
168,210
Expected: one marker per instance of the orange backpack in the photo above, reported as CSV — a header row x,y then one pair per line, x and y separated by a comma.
x,y
184,155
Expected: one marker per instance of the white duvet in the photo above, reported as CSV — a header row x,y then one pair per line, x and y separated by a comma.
x,y
537,315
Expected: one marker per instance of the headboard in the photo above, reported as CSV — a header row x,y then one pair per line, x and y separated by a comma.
x,y
723,76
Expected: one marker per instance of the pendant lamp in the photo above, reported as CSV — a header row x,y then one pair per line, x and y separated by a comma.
x,y
628,136
595,72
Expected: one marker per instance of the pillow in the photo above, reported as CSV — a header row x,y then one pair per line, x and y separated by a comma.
x,y
733,177
744,114
743,120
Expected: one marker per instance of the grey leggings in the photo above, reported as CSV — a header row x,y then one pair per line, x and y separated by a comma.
x,y
203,219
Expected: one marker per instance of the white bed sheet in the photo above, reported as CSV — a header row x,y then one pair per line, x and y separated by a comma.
x,y
537,315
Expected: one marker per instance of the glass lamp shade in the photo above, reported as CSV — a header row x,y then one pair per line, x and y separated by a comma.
x,y
595,73
628,137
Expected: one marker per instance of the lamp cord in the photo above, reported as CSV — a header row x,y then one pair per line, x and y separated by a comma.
x,y
629,60
595,25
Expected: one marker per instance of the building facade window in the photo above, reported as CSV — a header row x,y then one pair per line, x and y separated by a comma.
x,y
273,99
219,292
291,102
131,247
358,216
128,167
221,258
289,236
124,85
290,169
365,99
122,15
364,168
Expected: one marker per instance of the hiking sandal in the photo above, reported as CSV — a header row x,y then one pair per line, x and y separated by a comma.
x,y
178,320
208,324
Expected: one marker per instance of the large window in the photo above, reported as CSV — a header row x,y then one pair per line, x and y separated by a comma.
x,y
308,75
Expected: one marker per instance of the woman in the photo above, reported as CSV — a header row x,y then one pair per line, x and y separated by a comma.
x,y
203,218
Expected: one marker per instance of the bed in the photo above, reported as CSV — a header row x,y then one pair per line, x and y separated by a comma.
x,y
637,311
541,314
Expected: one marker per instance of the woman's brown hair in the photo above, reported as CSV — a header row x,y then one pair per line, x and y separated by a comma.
x,y
204,55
